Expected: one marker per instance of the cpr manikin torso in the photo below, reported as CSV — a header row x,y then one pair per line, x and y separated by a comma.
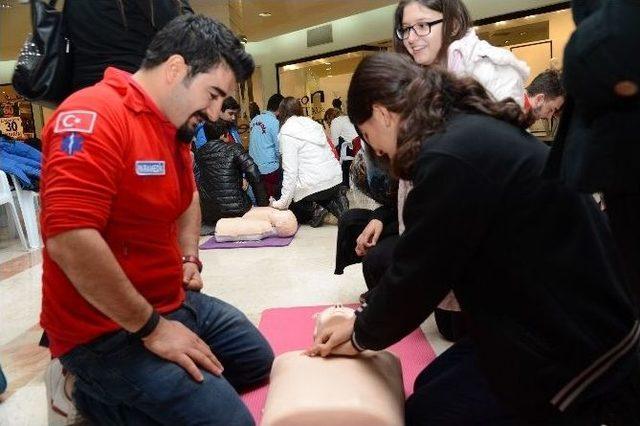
x,y
366,390
256,224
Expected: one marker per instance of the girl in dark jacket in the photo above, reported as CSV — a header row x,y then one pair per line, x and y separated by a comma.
x,y
221,165
554,334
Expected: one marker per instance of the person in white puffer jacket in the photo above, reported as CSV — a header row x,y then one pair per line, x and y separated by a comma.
x,y
312,174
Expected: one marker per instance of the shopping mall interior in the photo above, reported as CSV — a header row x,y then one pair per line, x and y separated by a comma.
x,y
305,49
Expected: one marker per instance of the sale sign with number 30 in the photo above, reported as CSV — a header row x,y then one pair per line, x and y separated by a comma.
x,y
12,127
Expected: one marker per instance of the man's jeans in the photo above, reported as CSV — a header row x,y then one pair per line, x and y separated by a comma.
x,y
120,382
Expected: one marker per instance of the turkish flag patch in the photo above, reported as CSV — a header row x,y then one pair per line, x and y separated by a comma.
x,y
76,121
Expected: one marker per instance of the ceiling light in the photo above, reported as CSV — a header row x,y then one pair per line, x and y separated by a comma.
x,y
264,14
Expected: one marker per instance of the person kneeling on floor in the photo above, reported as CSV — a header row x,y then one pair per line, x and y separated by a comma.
x,y
221,165
312,175
120,220
554,334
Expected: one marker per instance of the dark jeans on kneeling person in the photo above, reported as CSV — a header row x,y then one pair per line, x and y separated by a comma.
x,y
119,381
332,199
273,183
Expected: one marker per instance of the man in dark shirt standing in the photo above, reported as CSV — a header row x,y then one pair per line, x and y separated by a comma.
x,y
115,33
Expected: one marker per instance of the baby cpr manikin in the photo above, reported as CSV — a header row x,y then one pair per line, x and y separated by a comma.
x,y
284,221
365,390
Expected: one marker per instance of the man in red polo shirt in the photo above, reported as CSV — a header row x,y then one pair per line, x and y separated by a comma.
x,y
121,220
545,95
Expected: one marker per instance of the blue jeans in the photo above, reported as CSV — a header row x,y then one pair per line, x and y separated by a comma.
x,y
120,382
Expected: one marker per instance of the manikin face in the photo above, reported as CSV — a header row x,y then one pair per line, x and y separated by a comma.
x,y
423,49
192,98
380,131
544,107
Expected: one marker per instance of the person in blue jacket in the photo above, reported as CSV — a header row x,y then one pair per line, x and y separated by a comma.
x,y
263,146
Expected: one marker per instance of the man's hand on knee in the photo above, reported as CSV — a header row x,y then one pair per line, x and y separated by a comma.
x,y
173,341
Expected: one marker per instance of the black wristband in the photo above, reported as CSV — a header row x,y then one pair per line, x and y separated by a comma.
x,y
354,343
149,326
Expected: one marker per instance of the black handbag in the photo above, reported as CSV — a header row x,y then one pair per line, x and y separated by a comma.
x,y
42,72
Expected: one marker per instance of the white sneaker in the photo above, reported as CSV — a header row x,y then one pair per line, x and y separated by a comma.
x,y
61,410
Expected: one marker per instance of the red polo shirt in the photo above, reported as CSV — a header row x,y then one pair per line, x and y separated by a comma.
x,y
111,162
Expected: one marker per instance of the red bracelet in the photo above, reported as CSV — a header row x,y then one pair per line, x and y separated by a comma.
x,y
193,259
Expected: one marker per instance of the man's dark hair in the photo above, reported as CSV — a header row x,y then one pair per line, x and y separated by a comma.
x,y
274,102
337,103
203,42
549,83
230,103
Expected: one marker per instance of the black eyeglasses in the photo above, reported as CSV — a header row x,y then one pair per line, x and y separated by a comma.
x,y
421,29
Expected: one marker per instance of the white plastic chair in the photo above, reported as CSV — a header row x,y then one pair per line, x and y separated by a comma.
x,y
27,200
6,198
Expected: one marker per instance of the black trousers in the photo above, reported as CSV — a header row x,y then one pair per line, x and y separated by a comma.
x,y
624,218
454,391
350,227
332,199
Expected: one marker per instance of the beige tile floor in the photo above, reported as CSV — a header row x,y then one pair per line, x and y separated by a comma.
x,y
250,279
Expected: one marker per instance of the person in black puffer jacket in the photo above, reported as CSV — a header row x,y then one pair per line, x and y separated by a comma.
x,y
221,165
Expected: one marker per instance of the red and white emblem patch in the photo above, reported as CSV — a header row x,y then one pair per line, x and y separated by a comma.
x,y
76,121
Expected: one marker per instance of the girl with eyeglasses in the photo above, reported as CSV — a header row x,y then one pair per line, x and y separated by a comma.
x,y
440,33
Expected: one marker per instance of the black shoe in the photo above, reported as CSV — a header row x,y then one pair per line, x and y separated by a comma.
x,y
319,213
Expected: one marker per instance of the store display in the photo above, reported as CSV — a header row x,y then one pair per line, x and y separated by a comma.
x,y
16,115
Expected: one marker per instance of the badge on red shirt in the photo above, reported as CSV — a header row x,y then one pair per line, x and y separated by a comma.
x,y
76,121
72,143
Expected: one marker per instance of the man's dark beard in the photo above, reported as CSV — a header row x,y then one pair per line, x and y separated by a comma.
x,y
186,133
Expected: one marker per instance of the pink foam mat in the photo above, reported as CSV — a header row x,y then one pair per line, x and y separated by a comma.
x,y
290,329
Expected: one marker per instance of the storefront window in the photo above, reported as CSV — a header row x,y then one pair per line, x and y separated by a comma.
x,y
317,82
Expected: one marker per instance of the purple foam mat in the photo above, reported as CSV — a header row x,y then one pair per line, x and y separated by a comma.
x,y
211,243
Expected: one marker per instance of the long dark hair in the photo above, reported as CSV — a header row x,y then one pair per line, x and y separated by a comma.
x,y
456,23
289,107
424,97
